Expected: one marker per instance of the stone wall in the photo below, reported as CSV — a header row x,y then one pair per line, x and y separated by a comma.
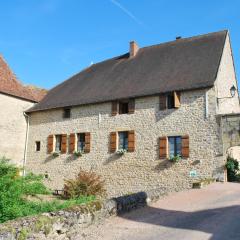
x,y
65,224
230,131
141,170
13,127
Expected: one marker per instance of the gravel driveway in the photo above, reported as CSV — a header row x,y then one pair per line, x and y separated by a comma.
x,y
209,213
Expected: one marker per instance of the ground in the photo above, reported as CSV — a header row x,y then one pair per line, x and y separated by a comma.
x,y
210,213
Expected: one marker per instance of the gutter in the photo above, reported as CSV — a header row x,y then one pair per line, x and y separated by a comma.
x,y
26,143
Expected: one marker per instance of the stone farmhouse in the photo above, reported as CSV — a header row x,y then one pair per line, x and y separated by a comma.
x,y
15,98
128,118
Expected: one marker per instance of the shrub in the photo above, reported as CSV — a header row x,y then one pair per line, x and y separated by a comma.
x,y
232,166
85,184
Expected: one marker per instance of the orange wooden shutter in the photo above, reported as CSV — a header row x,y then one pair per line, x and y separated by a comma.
x,y
72,140
177,99
185,146
50,144
87,142
64,143
114,108
163,151
131,141
113,142
131,106
162,102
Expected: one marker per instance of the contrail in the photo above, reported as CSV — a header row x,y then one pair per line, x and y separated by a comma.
x,y
126,11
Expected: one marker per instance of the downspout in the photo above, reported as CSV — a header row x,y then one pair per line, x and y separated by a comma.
x,y
26,143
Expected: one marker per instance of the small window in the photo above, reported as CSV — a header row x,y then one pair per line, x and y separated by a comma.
x,y
123,107
38,146
174,146
170,100
66,112
58,143
80,141
122,140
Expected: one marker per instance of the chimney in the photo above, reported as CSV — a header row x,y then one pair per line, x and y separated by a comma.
x,y
133,49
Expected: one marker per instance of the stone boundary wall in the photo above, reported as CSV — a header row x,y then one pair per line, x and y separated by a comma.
x,y
65,223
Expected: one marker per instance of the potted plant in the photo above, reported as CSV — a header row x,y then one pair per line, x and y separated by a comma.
x,y
78,153
121,151
55,154
176,158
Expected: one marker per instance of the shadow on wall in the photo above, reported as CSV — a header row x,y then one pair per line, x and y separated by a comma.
x,y
197,221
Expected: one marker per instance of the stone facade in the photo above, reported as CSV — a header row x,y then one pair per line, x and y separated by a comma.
x,y
141,170
13,127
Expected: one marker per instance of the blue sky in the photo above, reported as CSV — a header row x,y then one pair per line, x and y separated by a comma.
x,y
47,41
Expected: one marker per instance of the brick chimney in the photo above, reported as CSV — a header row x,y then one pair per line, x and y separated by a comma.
x,y
133,49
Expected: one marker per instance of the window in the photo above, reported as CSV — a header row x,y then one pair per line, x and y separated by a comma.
x,y
80,142
123,107
170,101
122,140
58,143
174,146
37,146
66,112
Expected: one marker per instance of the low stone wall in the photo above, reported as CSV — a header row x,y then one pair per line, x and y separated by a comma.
x,y
65,223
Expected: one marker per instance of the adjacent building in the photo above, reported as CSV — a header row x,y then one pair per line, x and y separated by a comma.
x,y
15,98
130,118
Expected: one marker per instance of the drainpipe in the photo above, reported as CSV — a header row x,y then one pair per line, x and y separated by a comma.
x,y
26,143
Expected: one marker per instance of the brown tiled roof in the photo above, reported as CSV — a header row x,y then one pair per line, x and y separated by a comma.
x,y
184,64
11,86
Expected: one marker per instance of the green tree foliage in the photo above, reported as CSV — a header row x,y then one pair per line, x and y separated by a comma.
x,y
14,189
232,166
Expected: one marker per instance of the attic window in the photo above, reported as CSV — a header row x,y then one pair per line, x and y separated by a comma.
x,y
123,107
170,100
66,112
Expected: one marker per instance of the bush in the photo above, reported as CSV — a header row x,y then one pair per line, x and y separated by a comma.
x,y
232,166
85,184
14,189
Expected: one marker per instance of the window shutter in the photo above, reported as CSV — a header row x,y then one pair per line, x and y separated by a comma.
x,y
114,108
185,146
163,153
64,143
87,142
50,144
162,102
131,141
113,142
72,140
131,106
177,99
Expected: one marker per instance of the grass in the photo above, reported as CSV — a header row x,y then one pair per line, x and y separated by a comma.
x,y
14,189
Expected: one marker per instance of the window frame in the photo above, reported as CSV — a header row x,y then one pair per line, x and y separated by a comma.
x,y
125,140
67,113
82,148
37,146
58,136
170,98
177,149
122,109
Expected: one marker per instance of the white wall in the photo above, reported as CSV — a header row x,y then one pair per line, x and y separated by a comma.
x,y
226,78
13,127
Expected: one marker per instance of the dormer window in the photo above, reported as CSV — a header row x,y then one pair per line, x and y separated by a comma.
x,y
126,106
66,112
123,107
169,100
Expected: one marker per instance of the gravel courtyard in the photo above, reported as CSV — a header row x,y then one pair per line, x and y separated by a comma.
x,y
209,213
